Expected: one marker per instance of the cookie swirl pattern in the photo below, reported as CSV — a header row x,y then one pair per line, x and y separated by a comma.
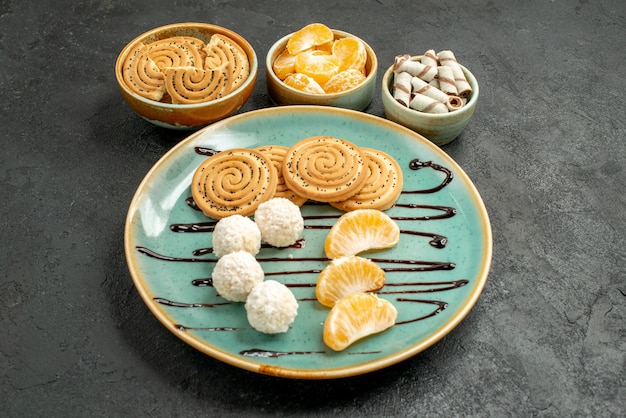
x,y
382,186
142,75
185,69
324,168
188,85
177,51
235,181
222,50
276,154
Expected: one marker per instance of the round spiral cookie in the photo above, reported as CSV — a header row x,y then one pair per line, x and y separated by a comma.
x,y
382,187
142,75
324,168
216,59
233,182
177,51
187,85
221,49
276,154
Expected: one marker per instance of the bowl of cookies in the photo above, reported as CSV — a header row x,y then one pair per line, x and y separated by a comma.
x,y
317,65
186,75
431,94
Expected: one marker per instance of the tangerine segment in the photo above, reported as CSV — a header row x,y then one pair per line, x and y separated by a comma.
x,y
309,37
284,64
351,54
303,83
355,317
318,65
346,276
327,47
343,81
359,231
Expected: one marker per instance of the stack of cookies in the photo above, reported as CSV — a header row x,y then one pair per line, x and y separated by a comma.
x,y
319,168
185,70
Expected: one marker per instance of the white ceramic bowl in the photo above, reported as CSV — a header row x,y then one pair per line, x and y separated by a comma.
x,y
188,116
439,128
357,98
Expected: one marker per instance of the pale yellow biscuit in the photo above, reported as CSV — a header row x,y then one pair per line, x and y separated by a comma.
x,y
222,50
142,75
276,154
187,85
177,51
324,168
234,181
382,186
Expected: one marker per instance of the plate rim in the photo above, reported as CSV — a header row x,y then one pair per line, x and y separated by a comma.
x,y
291,372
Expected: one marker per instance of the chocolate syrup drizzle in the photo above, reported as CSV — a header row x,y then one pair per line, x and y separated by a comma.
x,y
416,164
257,352
207,152
388,265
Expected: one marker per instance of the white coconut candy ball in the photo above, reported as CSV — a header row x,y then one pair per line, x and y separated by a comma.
x,y
236,233
280,221
271,307
236,274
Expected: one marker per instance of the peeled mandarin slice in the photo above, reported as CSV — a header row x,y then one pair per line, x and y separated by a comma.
x,y
355,317
351,54
317,64
309,37
359,231
303,83
344,81
346,276
284,64
327,47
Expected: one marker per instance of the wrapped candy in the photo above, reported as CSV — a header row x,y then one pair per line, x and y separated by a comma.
x,y
446,80
454,103
402,88
430,58
404,63
434,83
427,104
420,86
447,58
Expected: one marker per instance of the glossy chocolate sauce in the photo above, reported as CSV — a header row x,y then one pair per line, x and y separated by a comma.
x,y
416,164
207,152
185,328
257,352
388,265
411,265
441,305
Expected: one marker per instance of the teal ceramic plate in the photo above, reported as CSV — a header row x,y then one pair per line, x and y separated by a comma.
x,y
434,275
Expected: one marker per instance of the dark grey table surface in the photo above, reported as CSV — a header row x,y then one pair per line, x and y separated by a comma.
x,y
546,150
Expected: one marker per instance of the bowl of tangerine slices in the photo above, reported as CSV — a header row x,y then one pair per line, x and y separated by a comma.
x,y
317,65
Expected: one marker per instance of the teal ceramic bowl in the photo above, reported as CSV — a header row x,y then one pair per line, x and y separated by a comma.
x,y
357,98
440,128
434,275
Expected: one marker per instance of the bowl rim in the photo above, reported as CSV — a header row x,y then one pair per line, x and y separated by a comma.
x,y
283,41
254,65
468,106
